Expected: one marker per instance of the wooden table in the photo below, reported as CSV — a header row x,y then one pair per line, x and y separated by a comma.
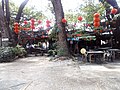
x,y
98,56
112,52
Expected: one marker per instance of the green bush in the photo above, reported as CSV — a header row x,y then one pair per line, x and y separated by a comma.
x,y
52,52
8,54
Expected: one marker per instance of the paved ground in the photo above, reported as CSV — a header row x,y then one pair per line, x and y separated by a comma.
x,y
38,73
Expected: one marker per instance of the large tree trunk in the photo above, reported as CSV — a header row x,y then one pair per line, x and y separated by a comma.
x,y
4,31
59,15
8,18
17,19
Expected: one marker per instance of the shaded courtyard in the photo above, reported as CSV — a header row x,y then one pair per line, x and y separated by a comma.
x,y
38,73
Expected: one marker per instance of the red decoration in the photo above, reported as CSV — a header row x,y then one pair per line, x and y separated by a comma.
x,y
32,23
95,31
96,15
101,31
39,21
80,18
114,11
25,22
96,19
96,24
33,27
47,25
32,20
16,26
48,22
78,35
64,20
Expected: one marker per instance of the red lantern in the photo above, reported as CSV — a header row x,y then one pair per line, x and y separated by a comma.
x,y
101,31
39,22
95,31
48,22
47,25
78,35
16,26
64,20
80,18
32,23
32,20
25,28
96,15
96,19
114,11
25,22
96,24
32,27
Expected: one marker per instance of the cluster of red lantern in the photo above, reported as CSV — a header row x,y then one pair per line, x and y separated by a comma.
x,y
96,20
16,28
32,23
114,11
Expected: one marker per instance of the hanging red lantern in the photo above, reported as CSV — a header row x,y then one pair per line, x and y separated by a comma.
x,y
25,28
32,20
39,21
78,35
80,18
96,24
33,27
96,15
25,22
32,23
64,20
114,11
101,31
47,25
16,27
95,31
48,22
96,19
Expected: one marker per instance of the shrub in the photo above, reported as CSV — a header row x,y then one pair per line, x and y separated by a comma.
x,y
8,54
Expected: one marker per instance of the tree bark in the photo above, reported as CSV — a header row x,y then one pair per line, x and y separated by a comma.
x,y
17,19
4,31
8,18
62,39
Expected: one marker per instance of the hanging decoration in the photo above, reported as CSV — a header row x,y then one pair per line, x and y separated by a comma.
x,y
47,25
48,22
64,20
96,20
39,21
80,18
32,23
25,22
114,11
16,26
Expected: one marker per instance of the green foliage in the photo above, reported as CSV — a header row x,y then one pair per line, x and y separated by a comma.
x,y
52,52
8,54
90,9
54,33
27,14
62,52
